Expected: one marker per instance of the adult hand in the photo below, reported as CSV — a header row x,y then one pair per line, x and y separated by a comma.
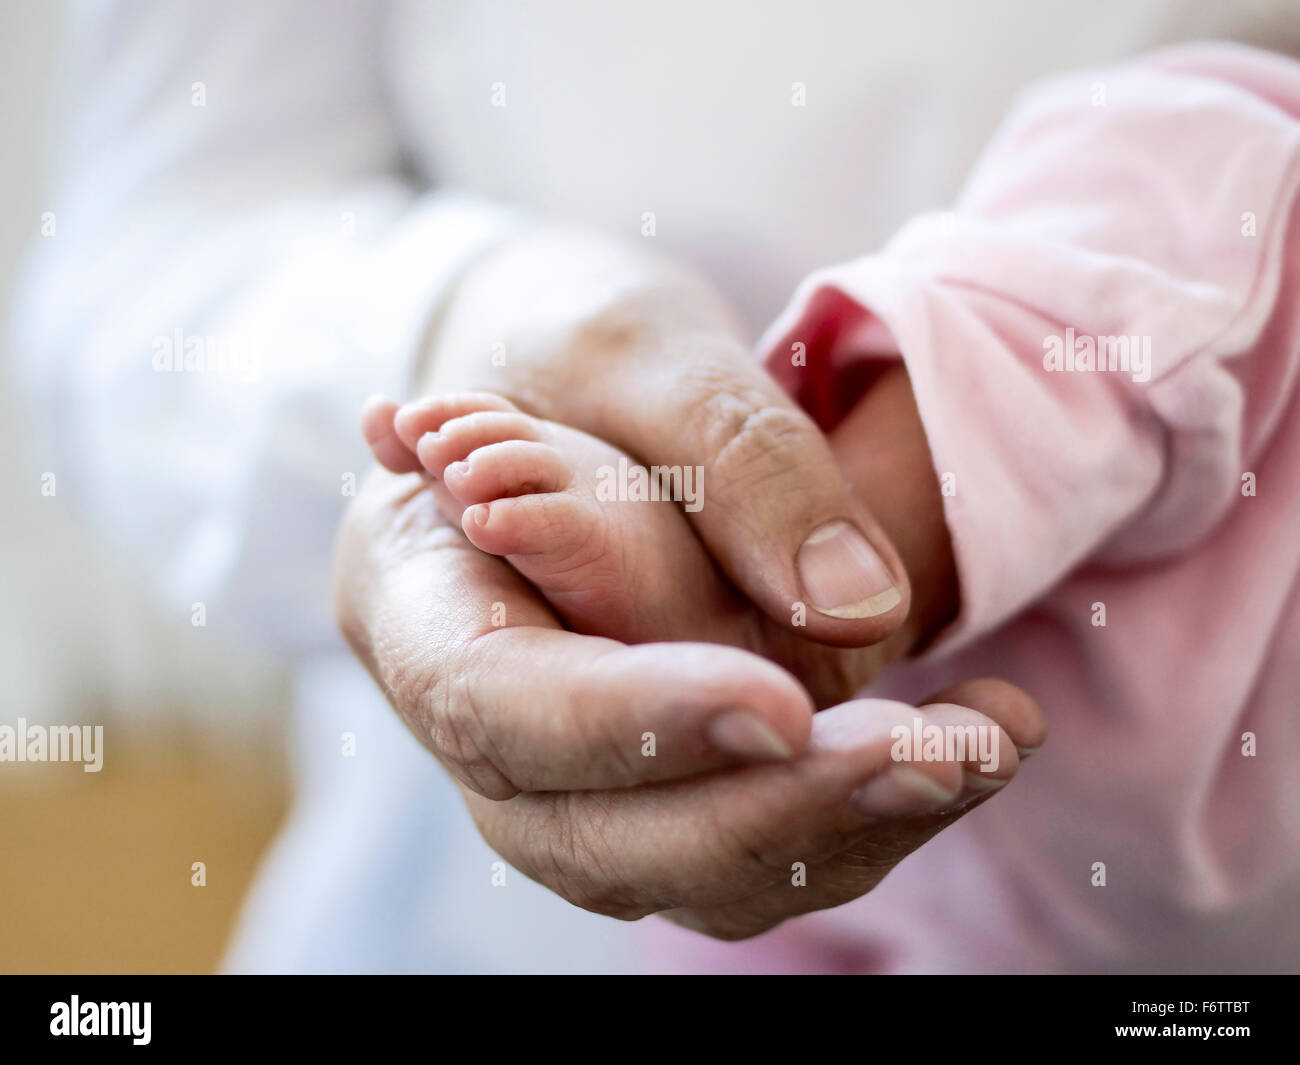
x,y
546,731
646,356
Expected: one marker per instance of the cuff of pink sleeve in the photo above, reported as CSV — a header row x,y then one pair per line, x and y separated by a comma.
x,y
872,309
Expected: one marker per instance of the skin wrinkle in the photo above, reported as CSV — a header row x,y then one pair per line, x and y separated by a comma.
x,y
489,771
410,681
764,431
619,897
482,653
578,855
755,858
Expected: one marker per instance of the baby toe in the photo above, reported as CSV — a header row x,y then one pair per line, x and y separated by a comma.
x,y
503,470
427,415
541,533
460,437
377,417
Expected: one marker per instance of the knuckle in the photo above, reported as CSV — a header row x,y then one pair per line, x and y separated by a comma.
x,y
747,438
761,447
440,707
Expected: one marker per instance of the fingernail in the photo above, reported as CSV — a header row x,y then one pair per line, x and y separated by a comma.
x,y
842,575
743,735
900,790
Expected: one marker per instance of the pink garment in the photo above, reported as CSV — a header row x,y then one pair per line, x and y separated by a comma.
x,y
1153,201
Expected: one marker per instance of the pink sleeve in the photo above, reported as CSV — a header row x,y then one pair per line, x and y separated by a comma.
x,y
1142,211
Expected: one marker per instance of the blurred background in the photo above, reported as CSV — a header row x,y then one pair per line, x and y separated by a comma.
x,y
96,881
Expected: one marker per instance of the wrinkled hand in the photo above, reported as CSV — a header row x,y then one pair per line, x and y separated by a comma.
x,y
547,731
647,357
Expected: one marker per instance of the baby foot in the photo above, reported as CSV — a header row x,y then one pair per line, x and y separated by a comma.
x,y
547,498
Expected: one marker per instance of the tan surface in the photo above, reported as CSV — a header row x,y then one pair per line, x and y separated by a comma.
x,y
95,868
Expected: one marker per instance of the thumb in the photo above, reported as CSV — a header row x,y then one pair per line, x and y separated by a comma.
x,y
774,510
